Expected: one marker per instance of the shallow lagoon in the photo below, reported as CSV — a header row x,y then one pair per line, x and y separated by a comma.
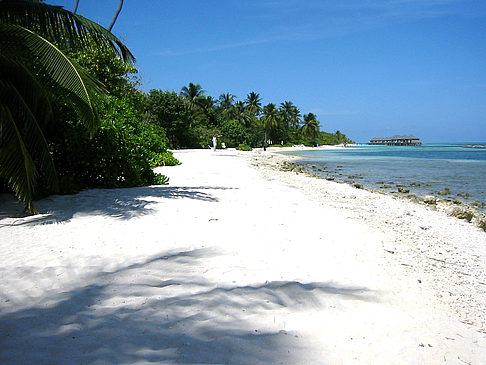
x,y
449,171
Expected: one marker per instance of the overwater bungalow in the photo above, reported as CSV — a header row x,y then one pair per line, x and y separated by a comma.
x,y
405,140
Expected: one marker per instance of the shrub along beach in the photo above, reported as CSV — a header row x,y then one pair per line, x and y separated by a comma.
x,y
121,245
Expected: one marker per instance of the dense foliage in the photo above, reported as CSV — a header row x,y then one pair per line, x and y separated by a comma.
x,y
192,118
126,147
121,154
34,69
70,115
171,112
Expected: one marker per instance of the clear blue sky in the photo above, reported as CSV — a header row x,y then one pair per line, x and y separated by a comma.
x,y
367,68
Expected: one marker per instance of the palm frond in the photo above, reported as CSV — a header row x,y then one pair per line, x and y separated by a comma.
x,y
60,26
34,38
26,100
58,69
16,163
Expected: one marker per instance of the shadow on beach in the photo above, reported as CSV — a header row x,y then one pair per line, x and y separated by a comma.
x,y
163,309
117,203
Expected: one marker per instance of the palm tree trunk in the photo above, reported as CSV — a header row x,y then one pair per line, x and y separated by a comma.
x,y
76,7
116,15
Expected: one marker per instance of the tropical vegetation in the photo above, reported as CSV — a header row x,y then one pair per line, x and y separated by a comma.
x,y
72,116
60,128
192,117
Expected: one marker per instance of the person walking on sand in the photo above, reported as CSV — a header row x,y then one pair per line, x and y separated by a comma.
x,y
215,142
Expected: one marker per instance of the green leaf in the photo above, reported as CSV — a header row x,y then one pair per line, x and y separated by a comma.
x,y
17,166
60,26
64,75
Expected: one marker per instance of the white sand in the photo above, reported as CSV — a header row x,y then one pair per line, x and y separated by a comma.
x,y
232,264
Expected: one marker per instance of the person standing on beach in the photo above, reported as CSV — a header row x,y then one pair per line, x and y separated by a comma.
x,y
215,142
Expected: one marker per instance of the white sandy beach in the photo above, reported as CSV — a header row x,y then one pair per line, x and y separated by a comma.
x,y
236,262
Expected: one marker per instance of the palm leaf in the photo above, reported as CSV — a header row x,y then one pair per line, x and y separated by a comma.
x,y
34,38
27,102
58,69
60,26
17,166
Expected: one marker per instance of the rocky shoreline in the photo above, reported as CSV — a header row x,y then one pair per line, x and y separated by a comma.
x,y
440,201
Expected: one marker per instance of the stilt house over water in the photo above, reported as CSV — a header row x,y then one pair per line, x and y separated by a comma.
x,y
410,140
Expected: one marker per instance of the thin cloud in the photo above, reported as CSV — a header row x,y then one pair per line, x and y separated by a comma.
x,y
214,48
330,19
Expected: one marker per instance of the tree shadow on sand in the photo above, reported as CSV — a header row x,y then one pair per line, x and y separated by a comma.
x,y
117,203
164,310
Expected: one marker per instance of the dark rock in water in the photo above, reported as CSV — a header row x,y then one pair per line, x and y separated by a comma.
x,y
461,213
380,182
445,191
330,178
403,190
415,184
430,199
358,185
387,186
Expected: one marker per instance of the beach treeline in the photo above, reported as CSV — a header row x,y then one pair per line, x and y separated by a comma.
x,y
72,116
191,117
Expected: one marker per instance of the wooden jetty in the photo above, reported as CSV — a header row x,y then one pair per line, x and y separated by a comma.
x,y
405,140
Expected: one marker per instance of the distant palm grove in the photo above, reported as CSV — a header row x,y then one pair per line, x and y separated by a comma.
x,y
72,115
190,119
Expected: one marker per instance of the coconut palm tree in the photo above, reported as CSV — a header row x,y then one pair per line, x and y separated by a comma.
x,y
270,118
35,68
290,114
254,103
310,127
226,100
194,93
226,106
206,104
242,114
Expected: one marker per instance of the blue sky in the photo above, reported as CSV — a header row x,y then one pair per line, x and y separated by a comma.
x,y
369,68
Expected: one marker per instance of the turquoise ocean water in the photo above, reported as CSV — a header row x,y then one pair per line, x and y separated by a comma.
x,y
448,171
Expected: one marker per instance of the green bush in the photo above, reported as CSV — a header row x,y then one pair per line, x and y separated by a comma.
x,y
282,145
203,136
165,159
122,153
243,147
234,134
170,111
